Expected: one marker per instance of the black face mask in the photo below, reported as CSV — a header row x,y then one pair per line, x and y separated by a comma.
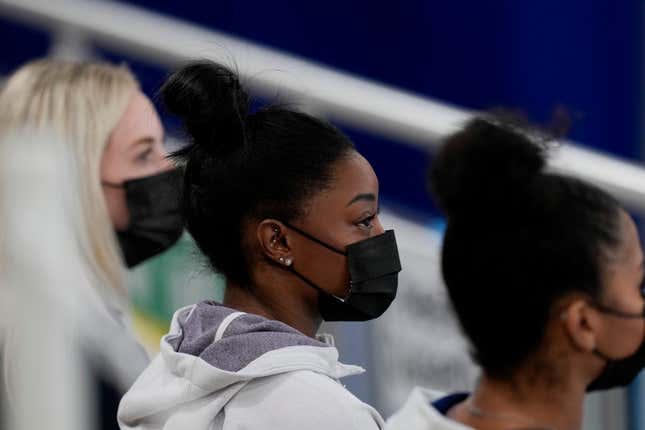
x,y
373,266
155,216
619,373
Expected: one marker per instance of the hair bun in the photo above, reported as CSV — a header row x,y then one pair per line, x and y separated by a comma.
x,y
485,169
213,106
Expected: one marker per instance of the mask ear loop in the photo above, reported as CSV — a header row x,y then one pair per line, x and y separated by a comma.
x,y
616,313
314,239
313,285
305,279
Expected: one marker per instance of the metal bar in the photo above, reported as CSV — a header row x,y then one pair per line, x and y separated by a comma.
x,y
169,42
352,100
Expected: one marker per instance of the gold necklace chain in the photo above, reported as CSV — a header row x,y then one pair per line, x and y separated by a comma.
x,y
479,413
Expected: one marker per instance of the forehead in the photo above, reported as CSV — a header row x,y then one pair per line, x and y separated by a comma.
x,y
631,239
139,120
352,175
629,253
623,269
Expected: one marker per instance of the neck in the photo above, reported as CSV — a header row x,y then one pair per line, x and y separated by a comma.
x,y
276,299
550,403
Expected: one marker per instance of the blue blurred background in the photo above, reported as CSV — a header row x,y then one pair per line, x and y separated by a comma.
x,y
585,56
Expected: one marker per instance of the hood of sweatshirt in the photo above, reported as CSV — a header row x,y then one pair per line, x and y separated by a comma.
x,y
211,352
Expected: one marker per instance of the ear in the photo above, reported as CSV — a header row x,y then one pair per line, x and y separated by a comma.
x,y
272,237
581,324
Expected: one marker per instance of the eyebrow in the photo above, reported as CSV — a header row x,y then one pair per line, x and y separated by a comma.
x,y
369,197
146,140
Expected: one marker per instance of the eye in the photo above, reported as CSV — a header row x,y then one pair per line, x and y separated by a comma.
x,y
144,156
366,222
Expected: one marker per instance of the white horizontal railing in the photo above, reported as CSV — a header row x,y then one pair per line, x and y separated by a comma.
x,y
352,100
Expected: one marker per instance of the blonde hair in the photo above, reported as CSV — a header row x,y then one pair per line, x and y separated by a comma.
x,y
82,103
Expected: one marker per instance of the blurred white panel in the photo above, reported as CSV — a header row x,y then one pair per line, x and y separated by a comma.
x,y
43,366
418,341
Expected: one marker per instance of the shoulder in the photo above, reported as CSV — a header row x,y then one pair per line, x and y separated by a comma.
x,y
418,413
298,398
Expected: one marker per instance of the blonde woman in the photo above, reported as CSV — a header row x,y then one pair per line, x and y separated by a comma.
x,y
117,138
127,188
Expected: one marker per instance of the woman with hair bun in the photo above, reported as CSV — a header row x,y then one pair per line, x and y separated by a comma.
x,y
284,206
544,272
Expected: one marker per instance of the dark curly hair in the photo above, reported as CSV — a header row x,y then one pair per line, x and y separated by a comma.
x,y
517,238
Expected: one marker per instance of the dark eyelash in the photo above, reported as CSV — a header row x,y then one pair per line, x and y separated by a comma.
x,y
369,218
144,154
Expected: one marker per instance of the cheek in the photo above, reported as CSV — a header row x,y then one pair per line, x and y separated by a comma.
x,y
637,336
624,338
114,165
334,276
117,207
325,268
628,298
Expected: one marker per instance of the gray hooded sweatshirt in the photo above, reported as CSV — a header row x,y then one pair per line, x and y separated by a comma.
x,y
223,369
